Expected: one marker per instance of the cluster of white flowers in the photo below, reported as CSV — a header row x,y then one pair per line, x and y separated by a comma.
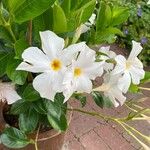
x,y
72,69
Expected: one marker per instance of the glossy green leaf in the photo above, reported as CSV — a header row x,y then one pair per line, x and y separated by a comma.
x,y
14,4
59,19
56,113
14,138
66,6
28,121
19,107
101,101
4,57
30,94
17,76
40,106
20,46
31,9
81,98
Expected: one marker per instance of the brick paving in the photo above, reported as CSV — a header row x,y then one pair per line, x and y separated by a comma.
x,y
89,133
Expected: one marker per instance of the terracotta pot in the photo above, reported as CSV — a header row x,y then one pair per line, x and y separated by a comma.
x,y
48,140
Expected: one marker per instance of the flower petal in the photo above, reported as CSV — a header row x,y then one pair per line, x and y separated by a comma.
x,y
83,84
121,64
118,95
70,53
136,49
124,82
94,70
43,83
51,43
36,60
137,74
12,96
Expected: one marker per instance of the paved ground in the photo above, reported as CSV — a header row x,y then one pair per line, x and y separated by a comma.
x,y
89,133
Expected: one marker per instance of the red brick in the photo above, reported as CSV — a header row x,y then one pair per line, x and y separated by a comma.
x,y
69,136
111,136
83,124
74,145
91,141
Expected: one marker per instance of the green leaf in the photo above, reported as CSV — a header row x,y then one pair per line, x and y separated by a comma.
x,y
4,35
100,22
120,15
66,6
104,35
59,19
56,114
101,101
81,98
31,9
146,77
14,4
4,57
14,138
40,107
28,121
58,124
133,88
20,46
17,76
19,107
30,94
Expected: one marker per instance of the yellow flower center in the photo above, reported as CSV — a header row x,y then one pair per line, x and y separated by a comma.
x,y
56,65
128,65
77,72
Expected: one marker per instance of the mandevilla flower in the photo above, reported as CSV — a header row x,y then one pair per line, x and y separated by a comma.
x,y
109,55
51,62
131,68
81,72
111,90
8,93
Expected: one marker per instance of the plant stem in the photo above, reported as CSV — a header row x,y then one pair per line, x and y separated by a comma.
x,y
30,33
142,88
92,114
36,139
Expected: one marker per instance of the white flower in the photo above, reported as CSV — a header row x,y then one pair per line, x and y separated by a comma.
x,y
81,72
51,62
111,90
110,55
131,69
8,93
148,2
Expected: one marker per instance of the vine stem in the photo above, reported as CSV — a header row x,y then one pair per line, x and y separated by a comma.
x,y
36,138
30,33
92,114
143,88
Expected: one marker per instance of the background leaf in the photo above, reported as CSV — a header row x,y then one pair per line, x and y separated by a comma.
x,y
31,9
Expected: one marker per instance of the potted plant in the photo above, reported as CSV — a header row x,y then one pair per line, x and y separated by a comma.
x,y
45,61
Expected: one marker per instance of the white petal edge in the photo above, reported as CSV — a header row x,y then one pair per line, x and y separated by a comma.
x,y
51,43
